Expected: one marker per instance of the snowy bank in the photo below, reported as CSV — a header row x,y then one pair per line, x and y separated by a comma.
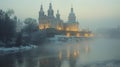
x,y
4,50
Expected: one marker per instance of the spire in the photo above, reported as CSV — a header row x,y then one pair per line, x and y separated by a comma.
x,y
41,13
50,11
58,15
72,17
71,10
50,6
41,8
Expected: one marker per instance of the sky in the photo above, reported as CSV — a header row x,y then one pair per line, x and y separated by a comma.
x,y
89,13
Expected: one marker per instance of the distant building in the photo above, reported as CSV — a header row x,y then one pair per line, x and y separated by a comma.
x,y
50,21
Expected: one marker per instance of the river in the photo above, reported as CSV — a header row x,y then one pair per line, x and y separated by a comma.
x,y
94,52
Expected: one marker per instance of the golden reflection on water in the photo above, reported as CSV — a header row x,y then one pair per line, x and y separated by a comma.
x,y
87,49
67,56
75,53
60,55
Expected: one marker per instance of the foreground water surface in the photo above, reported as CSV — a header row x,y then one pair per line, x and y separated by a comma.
x,y
95,52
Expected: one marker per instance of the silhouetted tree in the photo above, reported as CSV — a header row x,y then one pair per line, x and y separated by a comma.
x,y
10,12
2,23
31,25
19,39
7,26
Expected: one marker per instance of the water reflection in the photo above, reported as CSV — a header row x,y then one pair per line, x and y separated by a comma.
x,y
65,63
68,53
71,54
65,57
49,62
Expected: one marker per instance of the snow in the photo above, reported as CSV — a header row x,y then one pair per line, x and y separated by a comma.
x,y
11,50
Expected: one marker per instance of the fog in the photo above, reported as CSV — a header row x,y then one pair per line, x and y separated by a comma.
x,y
90,14
96,24
34,36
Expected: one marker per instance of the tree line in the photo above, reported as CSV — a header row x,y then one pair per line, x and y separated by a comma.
x,y
8,24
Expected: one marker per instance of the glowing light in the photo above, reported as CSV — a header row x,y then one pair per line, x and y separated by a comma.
x,y
60,55
68,54
59,28
41,27
78,35
74,29
75,53
68,34
67,29
86,35
46,27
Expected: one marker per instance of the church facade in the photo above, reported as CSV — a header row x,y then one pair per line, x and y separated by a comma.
x,y
51,21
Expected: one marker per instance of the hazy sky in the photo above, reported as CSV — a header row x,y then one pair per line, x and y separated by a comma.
x,y
86,10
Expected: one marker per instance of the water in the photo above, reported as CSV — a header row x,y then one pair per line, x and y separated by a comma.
x,y
96,52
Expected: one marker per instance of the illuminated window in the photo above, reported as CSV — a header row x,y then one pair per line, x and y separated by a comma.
x,y
41,27
78,35
67,29
86,35
59,28
46,26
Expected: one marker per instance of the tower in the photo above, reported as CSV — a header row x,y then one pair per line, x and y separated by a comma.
x,y
41,13
71,17
50,11
58,15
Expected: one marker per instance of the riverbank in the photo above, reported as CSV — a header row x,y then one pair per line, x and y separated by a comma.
x,y
11,50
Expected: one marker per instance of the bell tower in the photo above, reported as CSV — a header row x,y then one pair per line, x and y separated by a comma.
x,y
71,17
58,15
50,11
41,13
